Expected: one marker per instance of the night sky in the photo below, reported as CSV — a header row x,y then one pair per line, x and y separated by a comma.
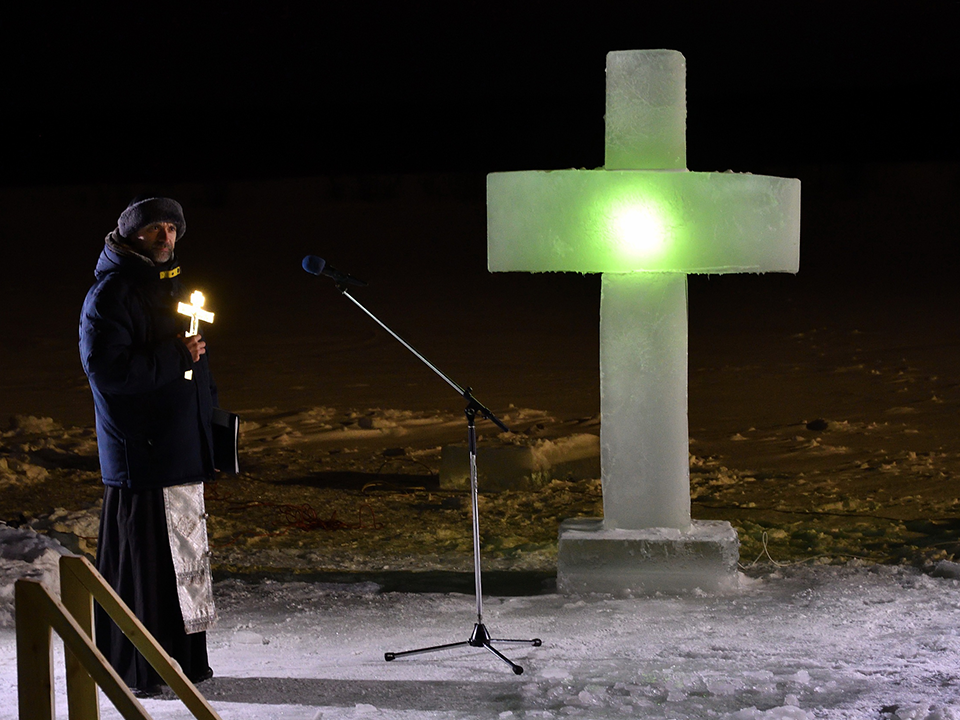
x,y
254,90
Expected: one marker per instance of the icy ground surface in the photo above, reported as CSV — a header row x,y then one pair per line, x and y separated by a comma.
x,y
799,642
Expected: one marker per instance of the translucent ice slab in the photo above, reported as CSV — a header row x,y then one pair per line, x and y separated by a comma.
x,y
642,220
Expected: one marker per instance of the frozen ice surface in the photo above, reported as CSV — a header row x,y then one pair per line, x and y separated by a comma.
x,y
646,110
643,401
592,221
594,558
845,643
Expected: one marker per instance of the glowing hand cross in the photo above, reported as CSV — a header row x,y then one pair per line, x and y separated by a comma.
x,y
194,310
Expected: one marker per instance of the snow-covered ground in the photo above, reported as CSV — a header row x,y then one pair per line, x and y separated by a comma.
x,y
796,642
822,418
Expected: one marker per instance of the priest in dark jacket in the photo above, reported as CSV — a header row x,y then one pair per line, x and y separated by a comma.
x,y
154,398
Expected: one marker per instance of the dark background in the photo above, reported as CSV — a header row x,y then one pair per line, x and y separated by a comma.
x,y
247,90
362,132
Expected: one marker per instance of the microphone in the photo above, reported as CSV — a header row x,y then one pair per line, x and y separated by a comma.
x,y
318,266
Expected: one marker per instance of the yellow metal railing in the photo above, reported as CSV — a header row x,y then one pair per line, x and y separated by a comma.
x,y
39,614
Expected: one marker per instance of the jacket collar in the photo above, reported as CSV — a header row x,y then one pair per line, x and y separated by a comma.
x,y
119,256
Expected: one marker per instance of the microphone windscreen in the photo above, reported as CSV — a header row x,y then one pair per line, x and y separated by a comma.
x,y
313,265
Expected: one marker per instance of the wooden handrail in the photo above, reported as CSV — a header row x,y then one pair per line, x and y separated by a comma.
x,y
35,657
87,668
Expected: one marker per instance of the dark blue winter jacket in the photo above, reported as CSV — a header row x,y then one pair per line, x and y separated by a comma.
x,y
153,424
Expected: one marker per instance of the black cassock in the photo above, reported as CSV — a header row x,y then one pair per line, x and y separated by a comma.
x,y
133,556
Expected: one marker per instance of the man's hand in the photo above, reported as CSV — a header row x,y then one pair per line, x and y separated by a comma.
x,y
195,345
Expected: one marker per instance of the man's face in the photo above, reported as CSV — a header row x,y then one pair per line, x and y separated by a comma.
x,y
156,241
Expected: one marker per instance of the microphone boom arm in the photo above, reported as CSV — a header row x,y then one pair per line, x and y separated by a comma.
x,y
473,405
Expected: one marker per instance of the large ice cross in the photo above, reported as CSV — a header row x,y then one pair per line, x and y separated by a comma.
x,y
645,222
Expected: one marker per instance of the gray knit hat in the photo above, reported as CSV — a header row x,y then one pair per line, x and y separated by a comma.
x,y
144,210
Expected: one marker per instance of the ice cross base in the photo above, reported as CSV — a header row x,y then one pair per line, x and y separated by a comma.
x,y
594,559
645,222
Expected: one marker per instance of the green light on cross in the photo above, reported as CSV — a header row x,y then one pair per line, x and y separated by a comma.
x,y
639,231
626,221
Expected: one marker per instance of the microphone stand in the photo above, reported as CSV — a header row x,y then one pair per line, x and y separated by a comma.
x,y
480,637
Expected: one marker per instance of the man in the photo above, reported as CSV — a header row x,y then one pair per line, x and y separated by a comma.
x,y
154,437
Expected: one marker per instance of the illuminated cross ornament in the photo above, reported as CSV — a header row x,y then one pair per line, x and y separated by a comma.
x,y
644,222
194,310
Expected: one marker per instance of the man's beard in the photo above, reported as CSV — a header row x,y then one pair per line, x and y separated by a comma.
x,y
161,254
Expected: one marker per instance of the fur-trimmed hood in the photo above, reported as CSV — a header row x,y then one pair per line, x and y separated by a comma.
x,y
119,255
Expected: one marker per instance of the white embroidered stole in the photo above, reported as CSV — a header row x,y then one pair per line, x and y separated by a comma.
x,y
187,533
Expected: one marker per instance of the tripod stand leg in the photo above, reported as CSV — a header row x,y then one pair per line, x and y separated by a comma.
x,y
536,642
388,656
481,638
517,670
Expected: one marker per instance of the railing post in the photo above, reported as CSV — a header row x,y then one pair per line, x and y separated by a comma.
x,y
87,668
169,671
36,669
82,700
34,654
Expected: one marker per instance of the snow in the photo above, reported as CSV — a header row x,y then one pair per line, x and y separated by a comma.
x,y
823,418
798,642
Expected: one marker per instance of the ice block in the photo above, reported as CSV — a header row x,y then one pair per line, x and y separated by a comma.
x,y
645,468
646,118
603,221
